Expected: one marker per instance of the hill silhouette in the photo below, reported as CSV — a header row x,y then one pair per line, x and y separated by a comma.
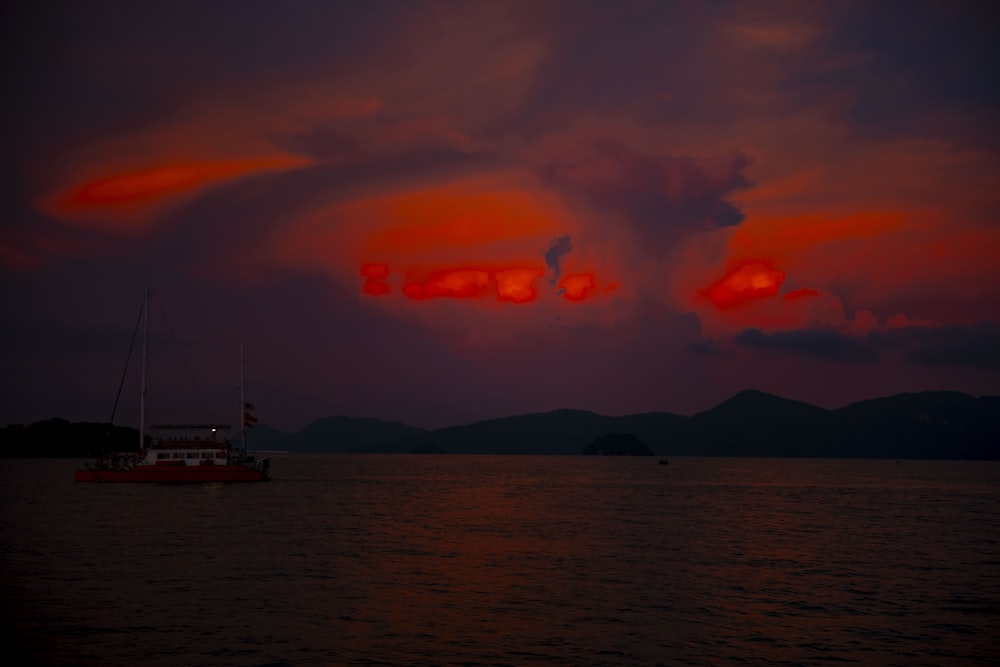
x,y
753,423
933,425
331,434
61,438
927,425
557,432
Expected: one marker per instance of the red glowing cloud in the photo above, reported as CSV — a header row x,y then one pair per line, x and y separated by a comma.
x,y
506,285
452,283
578,287
375,274
803,293
479,239
793,236
375,271
497,221
444,223
150,185
750,280
514,285
140,190
136,187
517,285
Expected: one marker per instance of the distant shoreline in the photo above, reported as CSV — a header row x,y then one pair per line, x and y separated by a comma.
x,y
927,425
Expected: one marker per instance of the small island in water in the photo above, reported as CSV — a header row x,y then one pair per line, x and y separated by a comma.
x,y
617,444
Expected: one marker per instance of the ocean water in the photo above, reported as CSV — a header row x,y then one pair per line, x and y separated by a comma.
x,y
518,560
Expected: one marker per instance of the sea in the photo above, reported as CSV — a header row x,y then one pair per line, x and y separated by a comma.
x,y
430,559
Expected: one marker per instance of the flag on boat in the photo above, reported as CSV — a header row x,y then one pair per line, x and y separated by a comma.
x,y
248,418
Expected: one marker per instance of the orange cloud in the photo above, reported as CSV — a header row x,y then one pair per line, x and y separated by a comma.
x,y
462,215
578,287
800,294
130,194
451,283
497,222
122,181
375,275
375,271
517,285
789,237
513,285
750,280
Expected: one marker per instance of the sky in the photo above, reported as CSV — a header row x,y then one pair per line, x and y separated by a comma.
x,y
441,212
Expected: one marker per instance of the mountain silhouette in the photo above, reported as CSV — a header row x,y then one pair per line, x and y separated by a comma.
x,y
556,432
331,434
924,425
934,425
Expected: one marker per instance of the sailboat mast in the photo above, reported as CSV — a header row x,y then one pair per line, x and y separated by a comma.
x,y
243,405
145,361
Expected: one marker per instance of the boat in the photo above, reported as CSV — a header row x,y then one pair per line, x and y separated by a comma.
x,y
194,453
180,452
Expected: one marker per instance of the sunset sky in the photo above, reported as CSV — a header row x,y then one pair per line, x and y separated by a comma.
x,y
439,212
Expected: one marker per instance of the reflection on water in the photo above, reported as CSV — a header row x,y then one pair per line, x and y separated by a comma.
x,y
476,560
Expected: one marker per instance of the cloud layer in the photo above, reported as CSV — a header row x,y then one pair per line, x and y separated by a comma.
x,y
498,188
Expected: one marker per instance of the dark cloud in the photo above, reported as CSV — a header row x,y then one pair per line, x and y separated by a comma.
x,y
322,143
367,92
662,195
821,343
704,347
977,346
121,67
925,52
557,251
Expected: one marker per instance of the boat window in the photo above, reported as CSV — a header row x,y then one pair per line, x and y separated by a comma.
x,y
178,455
163,455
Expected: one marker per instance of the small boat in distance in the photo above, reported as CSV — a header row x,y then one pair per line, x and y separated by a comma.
x,y
182,452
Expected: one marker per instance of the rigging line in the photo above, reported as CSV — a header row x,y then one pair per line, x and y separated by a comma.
x,y
121,384
199,394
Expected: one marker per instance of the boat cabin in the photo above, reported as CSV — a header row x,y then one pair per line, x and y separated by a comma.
x,y
188,445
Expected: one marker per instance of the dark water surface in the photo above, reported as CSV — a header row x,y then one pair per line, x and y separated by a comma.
x,y
489,560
